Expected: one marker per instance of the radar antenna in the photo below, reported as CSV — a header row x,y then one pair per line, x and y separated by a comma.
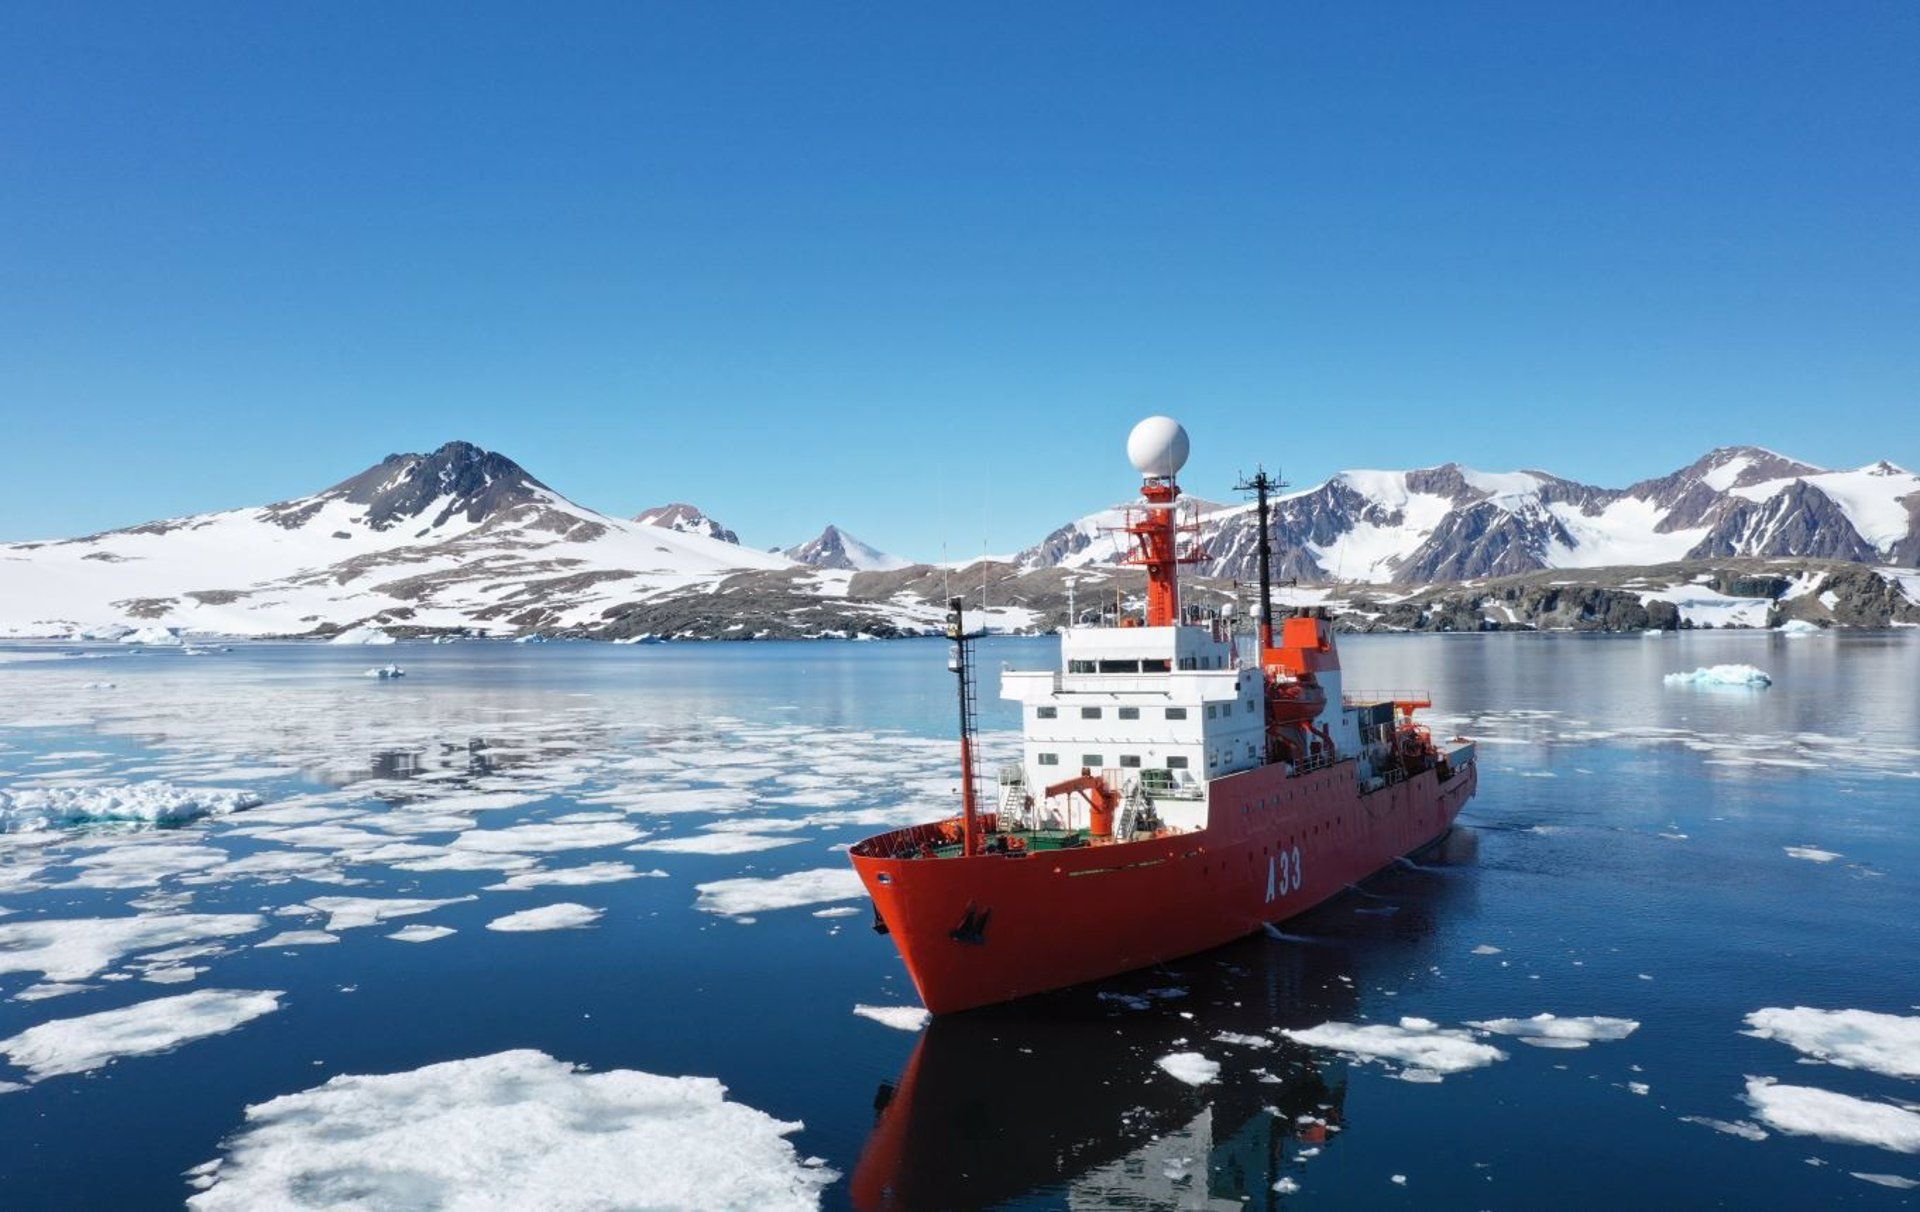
x,y
1261,485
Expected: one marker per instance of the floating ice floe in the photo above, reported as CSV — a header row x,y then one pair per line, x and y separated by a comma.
x,y
76,1045
1851,1039
1813,854
386,672
511,1130
586,873
353,912
299,938
547,837
362,635
1552,1031
900,1018
1842,1118
1416,1042
1896,1181
737,897
1741,1128
1189,1067
1242,1041
718,843
1798,627
1721,675
421,933
564,916
156,804
73,949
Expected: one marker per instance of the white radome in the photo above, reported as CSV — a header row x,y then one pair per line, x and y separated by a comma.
x,y
1158,446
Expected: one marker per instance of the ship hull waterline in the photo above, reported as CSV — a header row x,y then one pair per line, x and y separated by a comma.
x,y
976,931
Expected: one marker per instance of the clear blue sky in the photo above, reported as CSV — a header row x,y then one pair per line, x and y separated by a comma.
x,y
915,270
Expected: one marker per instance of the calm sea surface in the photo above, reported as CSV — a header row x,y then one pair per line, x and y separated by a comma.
x,y
1679,857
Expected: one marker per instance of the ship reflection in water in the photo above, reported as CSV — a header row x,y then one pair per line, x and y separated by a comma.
x,y
1059,1100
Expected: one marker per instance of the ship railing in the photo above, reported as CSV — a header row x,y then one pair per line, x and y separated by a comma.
x,y
1314,761
1361,698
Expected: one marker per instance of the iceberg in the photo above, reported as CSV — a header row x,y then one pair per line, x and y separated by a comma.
x,y
384,672
1721,675
158,636
362,635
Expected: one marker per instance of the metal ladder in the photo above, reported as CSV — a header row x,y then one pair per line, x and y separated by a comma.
x,y
1133,804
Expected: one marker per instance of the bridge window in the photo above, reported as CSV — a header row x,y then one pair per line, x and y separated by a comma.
x,y
1213,711
1080,666
1091,761
1129,713
1176,713
1049,759
1176,763
1161,665
1046,713
1089,713
1130,760
1119,667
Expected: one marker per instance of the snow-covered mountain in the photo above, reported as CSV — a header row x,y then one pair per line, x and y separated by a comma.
x,y
687,519
835,548
459,538
1452,523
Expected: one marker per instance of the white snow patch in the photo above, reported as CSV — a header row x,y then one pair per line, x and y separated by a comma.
x,y
512,1130
76,1045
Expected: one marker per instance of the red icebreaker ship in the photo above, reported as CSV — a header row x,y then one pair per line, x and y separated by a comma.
x,y
1172,794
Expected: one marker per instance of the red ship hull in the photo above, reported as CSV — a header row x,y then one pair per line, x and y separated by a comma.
x,y
990,928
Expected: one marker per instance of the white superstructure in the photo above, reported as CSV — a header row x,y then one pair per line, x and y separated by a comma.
x,y
1167,708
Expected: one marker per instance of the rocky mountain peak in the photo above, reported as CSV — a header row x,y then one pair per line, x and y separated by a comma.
x,y
835,548
686,519
458,479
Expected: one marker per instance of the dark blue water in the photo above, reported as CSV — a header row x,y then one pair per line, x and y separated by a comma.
x,y
1628,855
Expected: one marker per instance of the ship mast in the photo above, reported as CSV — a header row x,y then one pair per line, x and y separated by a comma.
x,y
961,664
1157,447
1261,484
